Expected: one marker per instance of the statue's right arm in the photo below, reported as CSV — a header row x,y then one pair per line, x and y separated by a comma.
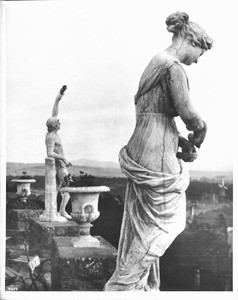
x,y
55,110
181,98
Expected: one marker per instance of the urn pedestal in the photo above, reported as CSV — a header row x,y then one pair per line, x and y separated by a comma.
x,y
81,269
84,211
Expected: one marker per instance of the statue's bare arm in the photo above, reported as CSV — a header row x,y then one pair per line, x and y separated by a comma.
x,y
180,94
55,110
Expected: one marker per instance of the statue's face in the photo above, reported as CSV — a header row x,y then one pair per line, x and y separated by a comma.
x,y
193,52
58,125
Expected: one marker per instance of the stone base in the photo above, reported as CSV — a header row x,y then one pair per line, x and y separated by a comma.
x,y
42,234
81,269
53,217
83,241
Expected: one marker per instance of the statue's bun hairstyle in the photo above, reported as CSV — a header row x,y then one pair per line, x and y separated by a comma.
x,y
179,23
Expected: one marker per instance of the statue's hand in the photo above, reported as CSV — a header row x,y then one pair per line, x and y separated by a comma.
x,y
187,157
63,89
198,136
67,163
188,147
188,153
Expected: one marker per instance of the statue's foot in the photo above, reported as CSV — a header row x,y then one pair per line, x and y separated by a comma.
x,y
65,214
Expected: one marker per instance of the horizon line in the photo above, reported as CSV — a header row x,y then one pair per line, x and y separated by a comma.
x,y
190,170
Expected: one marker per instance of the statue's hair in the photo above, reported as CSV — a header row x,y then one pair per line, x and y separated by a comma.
x,y
51,123
179,23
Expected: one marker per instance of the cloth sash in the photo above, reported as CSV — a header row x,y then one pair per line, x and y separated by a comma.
x,y
155,202
154,214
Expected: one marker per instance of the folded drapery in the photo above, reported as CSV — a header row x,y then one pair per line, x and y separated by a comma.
x,y
154,214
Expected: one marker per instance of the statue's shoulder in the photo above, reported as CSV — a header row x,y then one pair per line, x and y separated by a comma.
x,y
51,136
162,61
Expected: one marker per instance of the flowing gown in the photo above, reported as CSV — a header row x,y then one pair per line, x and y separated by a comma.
x,y
155,203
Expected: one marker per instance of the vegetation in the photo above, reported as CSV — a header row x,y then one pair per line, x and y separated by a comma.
x,y
25,176
83,180
198,188
202,246
195,192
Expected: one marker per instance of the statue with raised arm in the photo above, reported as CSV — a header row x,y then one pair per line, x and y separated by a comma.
x,y
54,149
155,202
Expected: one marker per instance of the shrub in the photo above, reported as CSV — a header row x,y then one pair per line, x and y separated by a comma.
x,y
83,180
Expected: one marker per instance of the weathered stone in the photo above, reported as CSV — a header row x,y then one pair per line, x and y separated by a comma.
x,y
82,269
19,236
84,211
19,218
78,285
90,268
42,234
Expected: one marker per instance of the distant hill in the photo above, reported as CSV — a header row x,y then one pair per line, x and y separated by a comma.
x,y
101,169
95,164
16,169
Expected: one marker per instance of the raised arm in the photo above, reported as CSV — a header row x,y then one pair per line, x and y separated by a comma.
x,y
55,110
180,94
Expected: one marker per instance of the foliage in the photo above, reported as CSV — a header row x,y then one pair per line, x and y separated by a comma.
x,y
83,180
25,176
198,188
195,191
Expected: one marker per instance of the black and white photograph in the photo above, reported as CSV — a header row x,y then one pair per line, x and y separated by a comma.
x,y
117,149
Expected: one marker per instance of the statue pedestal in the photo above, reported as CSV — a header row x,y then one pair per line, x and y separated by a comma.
x,y
81,269
42,234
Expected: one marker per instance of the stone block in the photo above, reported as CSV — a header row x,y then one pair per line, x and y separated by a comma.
x,y
19,236
18,219
42,234
81,269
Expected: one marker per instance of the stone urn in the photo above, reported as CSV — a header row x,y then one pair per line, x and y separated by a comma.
x,y
23,187
84,211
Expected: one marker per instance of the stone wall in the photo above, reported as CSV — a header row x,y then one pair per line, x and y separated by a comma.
x,y
81,269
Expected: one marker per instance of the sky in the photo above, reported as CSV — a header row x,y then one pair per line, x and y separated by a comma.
x,y
99,49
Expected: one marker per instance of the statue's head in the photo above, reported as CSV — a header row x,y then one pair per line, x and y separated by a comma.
x,y
179,24
53,124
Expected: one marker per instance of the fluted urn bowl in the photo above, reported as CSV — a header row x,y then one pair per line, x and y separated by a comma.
x,y
84,211
23,187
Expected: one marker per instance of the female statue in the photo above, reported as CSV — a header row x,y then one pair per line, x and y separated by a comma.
x,y
155,203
